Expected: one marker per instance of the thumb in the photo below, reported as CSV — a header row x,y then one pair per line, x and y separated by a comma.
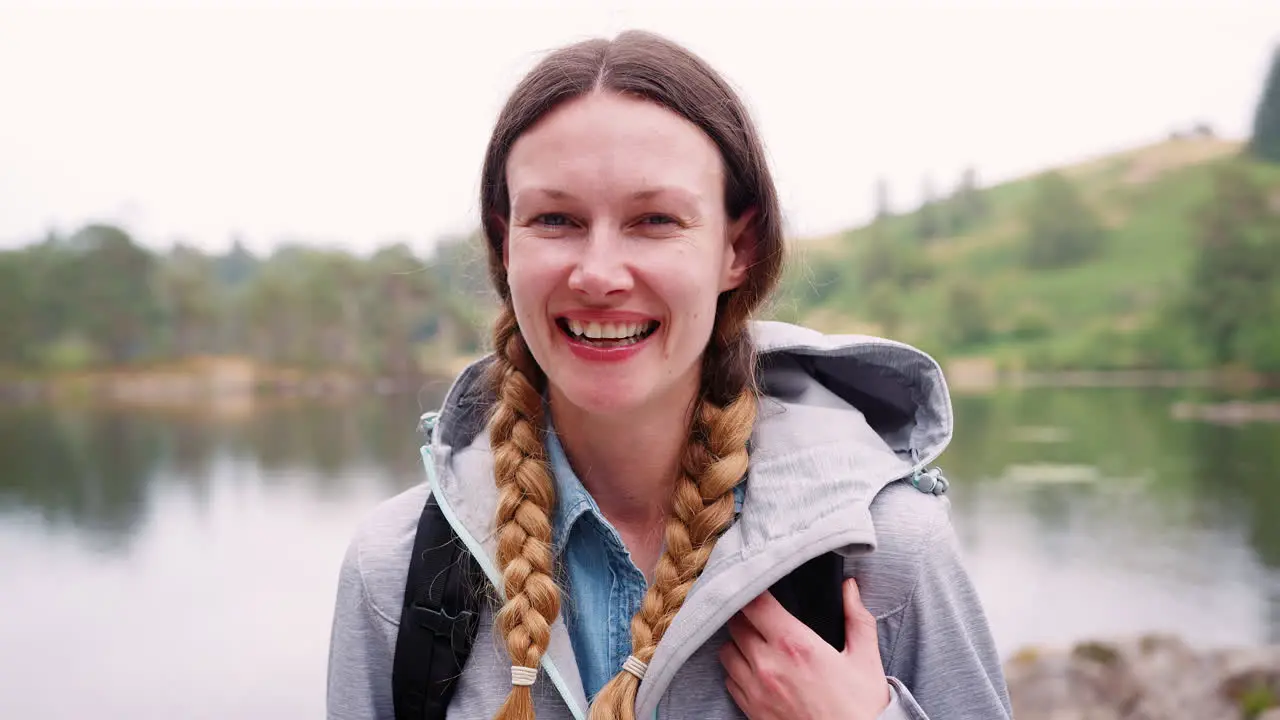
x,y
859,623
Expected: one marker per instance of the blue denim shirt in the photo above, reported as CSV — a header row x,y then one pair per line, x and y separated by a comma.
x,y
604,586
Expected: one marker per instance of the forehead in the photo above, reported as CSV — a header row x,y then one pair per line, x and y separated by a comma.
x,y
604,143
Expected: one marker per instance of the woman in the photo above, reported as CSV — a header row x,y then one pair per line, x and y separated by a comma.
x,y
638,462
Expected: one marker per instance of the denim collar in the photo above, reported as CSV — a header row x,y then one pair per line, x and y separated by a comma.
x,y
572,498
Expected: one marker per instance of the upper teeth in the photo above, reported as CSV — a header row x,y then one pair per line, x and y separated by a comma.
x,y
608,330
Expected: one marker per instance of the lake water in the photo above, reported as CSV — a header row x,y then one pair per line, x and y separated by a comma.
x,y
171,565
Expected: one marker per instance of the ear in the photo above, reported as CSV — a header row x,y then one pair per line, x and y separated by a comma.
x,y
740,251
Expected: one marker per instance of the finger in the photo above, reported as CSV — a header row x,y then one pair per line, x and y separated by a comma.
x,y
736,666
859,623
748,640
768,616
739,696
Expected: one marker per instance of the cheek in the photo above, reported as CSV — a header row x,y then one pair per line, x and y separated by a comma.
x,y
689,282
530,281
530,273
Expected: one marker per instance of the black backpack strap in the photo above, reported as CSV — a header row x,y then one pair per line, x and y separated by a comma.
x,y
814,594
438,620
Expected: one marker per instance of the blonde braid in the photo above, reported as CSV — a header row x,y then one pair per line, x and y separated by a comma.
x,y
714,462
525,504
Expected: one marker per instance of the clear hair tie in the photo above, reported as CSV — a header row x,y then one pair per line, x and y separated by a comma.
x,y
523,676
635,667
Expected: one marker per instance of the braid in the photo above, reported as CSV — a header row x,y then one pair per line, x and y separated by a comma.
x,y
714,462
526,497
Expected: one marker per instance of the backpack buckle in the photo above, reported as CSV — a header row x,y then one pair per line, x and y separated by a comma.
x,y
459,628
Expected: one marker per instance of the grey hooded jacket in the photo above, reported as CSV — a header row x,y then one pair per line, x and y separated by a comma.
x,y
847,426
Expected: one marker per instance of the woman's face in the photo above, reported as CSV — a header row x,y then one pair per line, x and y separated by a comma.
x,y
616,249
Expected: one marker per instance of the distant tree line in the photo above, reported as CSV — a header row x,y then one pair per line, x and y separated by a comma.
x,y
97,298
955,214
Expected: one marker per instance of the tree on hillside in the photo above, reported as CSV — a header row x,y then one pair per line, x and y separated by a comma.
x,y
1230,298
115,301
929,216
886,259
404,292
188,293
236,267
17,331
460,266
1062,230
269,310
883,204
883,307
968,312
966,207
1265,142
49,268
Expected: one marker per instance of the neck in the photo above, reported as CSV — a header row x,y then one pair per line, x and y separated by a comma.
x,y
627,461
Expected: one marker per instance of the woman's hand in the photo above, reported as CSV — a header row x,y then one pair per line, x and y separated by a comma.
x,y
779,669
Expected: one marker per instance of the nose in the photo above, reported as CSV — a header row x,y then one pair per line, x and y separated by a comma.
x,y
602,268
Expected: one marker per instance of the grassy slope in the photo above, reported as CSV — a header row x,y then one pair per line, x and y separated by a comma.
x,y
1146,196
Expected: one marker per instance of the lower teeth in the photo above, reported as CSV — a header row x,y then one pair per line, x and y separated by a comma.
x,y
611,342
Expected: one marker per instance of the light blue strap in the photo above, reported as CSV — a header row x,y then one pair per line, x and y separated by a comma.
x,y
427,425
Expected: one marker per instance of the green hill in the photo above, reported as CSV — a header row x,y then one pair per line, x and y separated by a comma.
x,y
960,277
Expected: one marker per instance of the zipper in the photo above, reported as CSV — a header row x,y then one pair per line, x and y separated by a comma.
x,y
482,558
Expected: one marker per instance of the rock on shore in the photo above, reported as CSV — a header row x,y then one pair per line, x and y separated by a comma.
x,y
1147,678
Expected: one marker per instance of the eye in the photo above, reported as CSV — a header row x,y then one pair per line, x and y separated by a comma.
x,y
552,220
658,220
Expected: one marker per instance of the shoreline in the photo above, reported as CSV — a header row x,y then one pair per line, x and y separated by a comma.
x,y
218,382
977,375
209,382
1149,677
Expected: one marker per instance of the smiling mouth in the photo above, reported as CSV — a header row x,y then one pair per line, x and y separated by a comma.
x,y
607,334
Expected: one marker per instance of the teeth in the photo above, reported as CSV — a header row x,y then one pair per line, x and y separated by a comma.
x,y
608,330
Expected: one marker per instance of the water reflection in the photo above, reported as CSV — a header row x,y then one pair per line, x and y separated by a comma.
x,y
89,471
93,470
1092,512
156,562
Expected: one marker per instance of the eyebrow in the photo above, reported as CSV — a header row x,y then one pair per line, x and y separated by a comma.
x,y
646,194
651,193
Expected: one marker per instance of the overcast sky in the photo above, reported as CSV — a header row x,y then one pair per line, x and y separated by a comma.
x,y
358,125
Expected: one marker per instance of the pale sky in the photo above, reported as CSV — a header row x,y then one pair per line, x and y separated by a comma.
x,y
357,123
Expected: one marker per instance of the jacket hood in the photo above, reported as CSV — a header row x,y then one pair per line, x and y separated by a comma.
x,y
841,417
898,389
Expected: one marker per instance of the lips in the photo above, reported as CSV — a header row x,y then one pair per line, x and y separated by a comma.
x,y
606,337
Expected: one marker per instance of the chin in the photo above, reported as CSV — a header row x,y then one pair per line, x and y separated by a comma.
x,y
602,396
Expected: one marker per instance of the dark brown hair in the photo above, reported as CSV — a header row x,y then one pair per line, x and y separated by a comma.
x,y
646,66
